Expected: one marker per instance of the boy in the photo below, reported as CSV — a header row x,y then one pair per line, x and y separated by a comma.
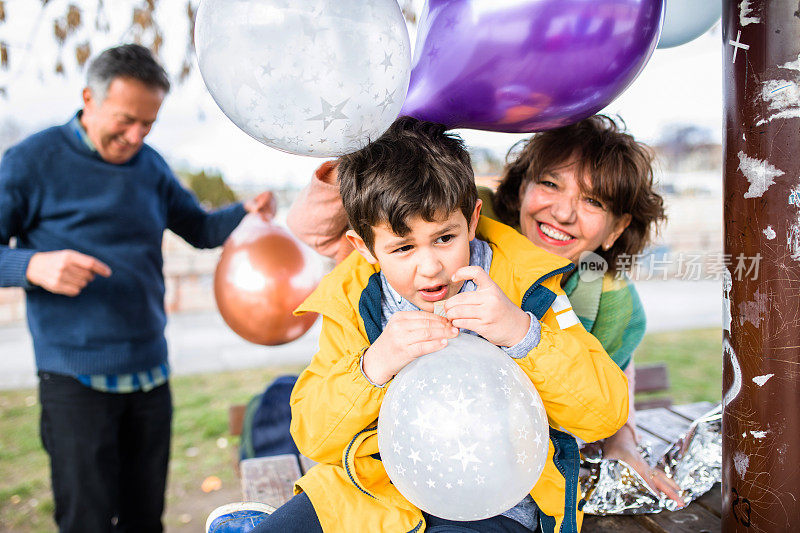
x,y
415,222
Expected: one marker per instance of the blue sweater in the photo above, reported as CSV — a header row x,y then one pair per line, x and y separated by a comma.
x,y
56,193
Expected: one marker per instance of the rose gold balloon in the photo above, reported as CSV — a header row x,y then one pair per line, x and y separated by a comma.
x,y
263,274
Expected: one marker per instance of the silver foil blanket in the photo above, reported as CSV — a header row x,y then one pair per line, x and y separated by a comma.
x,y
694,461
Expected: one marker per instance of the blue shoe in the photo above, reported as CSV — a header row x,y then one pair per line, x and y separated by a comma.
x,y
239,517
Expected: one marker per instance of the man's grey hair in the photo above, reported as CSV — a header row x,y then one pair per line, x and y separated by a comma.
x,y
127,61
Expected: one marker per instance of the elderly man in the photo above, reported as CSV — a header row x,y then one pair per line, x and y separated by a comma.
x,y
88,203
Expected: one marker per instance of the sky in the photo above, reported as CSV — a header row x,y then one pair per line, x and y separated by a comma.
x,y
680,85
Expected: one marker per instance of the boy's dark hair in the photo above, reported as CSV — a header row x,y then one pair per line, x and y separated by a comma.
x,y
620,172
125,61
414,169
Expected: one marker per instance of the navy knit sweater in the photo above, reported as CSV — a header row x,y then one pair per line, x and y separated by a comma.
x,y
55,194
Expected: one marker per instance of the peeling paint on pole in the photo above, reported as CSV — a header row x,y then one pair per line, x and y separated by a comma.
x,y
761,335
793,233
754,311
745,11
726,299
736,382
760,380
759,173
793,65
782,98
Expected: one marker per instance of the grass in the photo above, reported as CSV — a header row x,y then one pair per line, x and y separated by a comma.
x,y
694,362
201,446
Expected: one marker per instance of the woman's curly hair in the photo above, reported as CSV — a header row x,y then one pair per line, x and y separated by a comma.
x,y
619,171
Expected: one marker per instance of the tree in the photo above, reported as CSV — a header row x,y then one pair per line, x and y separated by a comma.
x,y
82,28
210,189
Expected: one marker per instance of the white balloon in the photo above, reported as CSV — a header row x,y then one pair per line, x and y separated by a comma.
x,y
317,77
462,432
686,20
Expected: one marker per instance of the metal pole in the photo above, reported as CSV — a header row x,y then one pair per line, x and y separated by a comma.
x,y
761,367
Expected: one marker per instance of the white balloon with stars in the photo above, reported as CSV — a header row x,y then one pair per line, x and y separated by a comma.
x,y
462,432
317,77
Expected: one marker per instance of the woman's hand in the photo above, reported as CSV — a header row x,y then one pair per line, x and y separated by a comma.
x,y
622,446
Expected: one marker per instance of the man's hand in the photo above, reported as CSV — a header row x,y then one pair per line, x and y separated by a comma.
x,y
64,271
263,205
487,310
407,336
622,446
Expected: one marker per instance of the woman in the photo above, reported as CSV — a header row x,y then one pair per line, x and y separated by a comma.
x,y
579,189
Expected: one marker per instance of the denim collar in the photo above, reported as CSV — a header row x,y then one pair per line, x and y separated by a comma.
x,y
77,128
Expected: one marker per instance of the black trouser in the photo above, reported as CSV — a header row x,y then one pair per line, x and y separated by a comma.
x,y
108,455
298,516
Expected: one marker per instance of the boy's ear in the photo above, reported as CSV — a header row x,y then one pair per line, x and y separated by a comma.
x,y
359,244
473,221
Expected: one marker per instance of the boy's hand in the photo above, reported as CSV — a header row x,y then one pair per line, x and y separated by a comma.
x,y
407,336
487,310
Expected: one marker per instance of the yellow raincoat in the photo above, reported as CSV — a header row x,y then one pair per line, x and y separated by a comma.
x,y
335,408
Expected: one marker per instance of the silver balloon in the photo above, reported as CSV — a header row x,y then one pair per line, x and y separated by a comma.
x,y
686,20
462,432
317,77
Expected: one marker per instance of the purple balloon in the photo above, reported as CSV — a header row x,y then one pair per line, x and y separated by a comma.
x,y
520,66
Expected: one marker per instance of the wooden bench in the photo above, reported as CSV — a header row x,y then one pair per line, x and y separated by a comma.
x,y
236,419
650,384
266,479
